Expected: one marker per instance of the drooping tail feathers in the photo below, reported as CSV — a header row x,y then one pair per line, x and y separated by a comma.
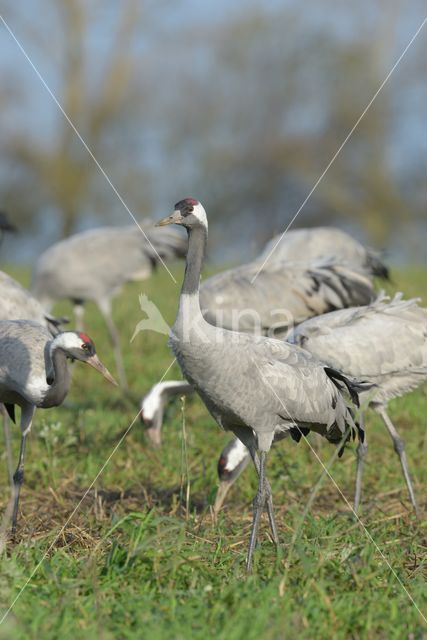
x,y
354,387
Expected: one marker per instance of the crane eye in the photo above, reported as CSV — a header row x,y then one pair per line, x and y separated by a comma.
x,y
84,346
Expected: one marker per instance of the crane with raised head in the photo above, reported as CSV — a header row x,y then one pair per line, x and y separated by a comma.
x,y
255,386
282,294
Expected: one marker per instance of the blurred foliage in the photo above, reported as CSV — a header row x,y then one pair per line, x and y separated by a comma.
x,y
244,110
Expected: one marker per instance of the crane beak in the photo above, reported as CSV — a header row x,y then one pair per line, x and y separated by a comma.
x,y
175,218
96,363
223,489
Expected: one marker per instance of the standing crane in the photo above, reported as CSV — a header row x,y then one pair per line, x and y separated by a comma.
x,y
384,343
285,292
255,386
95,264
34,373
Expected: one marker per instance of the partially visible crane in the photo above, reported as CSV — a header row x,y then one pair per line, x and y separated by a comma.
x,y
18,304
153,405
385,343
95,264
319,243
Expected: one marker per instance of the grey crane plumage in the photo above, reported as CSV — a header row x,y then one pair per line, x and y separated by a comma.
x,y
385,343
34,373
18,304
95,264
254,386
284,293
310,245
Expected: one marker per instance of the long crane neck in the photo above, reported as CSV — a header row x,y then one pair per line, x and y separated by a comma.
x,y
189,303
59,373
197,238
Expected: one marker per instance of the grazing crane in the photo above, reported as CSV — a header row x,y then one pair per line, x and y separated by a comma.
x,y
34,373
318,243
254,386
385,343
283,294
95,264
232,462
153,405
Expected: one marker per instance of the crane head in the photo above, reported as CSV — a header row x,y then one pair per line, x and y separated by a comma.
x,y
233,459
188,212
152,416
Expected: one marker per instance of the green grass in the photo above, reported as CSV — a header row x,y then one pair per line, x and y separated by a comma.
x,y
136,561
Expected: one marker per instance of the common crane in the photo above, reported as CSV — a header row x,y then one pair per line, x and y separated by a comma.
x,y
255,386
34,373
285,293
384,343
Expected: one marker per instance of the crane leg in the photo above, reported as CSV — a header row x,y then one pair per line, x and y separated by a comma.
x,y
399,447
27,413
263,496
362,448
79,312
259,503
268,500
105,308
7,443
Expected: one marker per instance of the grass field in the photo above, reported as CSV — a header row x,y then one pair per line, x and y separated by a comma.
x,y
141,557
